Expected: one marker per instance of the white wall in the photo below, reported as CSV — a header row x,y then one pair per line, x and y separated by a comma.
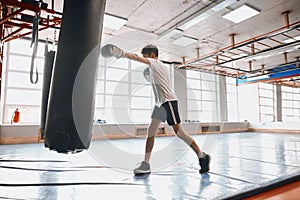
x,y
295,126
248,103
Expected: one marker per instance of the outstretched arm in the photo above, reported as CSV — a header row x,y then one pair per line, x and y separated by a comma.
x,y
133,56
111,50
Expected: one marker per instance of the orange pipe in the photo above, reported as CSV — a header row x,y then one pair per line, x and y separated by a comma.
x,y
232,39
286,18
248,40
15,3
285,57
11,15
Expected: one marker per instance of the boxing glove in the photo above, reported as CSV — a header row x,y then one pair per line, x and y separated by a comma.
x,y
111,50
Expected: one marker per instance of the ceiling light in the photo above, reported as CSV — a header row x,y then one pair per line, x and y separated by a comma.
x,y
173,33
184,41
195,20
206,14
241,14
113,22
223,5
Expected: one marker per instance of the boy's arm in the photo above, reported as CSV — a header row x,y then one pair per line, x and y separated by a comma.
x,y
111,50
133,56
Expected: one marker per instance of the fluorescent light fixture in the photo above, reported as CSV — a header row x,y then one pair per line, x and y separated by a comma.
x,y
206,14
184,41
113,22
223,5
241,14
173,33
194,21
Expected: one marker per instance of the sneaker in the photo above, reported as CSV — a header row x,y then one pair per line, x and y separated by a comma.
x,y
204,163
144,168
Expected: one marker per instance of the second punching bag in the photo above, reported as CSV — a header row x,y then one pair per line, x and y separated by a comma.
x,y
48,67
72,94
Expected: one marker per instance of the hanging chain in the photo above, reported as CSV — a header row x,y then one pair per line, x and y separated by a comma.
x,y
54,37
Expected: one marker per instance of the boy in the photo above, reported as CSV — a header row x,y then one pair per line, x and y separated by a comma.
x,y
166,107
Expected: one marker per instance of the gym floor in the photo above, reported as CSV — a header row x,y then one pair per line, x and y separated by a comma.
x,y
241,163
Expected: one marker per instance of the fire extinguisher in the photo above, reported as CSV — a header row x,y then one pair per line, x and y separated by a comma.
x,y
16,116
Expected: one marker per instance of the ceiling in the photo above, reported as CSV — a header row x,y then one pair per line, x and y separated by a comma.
x,y
149,21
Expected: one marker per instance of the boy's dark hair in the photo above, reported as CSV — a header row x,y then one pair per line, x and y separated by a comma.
x,y
150,49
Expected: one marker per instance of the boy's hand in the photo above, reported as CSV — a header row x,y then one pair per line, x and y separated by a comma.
x,y
111,50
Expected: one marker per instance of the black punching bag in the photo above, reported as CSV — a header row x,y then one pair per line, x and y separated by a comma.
x,y
72,94
48,67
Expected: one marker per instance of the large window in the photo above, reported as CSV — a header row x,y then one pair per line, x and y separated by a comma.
x,y
232,99
290,104
122,95
112,91
142,99
266,102
19,91
201,96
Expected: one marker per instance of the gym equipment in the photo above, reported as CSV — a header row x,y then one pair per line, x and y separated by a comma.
x,y
72,94
34,42
111,50
49,60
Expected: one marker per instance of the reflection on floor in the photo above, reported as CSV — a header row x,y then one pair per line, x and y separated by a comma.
x,y
240,162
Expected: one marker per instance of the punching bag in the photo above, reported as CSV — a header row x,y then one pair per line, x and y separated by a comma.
x,y
72,94
48,67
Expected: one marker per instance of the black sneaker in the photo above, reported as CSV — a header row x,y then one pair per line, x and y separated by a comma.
x,y
204,163
144,168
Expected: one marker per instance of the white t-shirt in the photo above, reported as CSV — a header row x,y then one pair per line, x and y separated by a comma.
x,y
160,79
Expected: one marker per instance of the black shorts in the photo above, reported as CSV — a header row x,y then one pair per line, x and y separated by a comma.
x,y
167,111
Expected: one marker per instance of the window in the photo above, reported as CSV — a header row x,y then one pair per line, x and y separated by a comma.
x,y
19,91
123,94
232,100
201,96
290,104
112,96
266,102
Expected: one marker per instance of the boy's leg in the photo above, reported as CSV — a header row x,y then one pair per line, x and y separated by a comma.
x,y
180,132
173,119
204,159
144,168
150,138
